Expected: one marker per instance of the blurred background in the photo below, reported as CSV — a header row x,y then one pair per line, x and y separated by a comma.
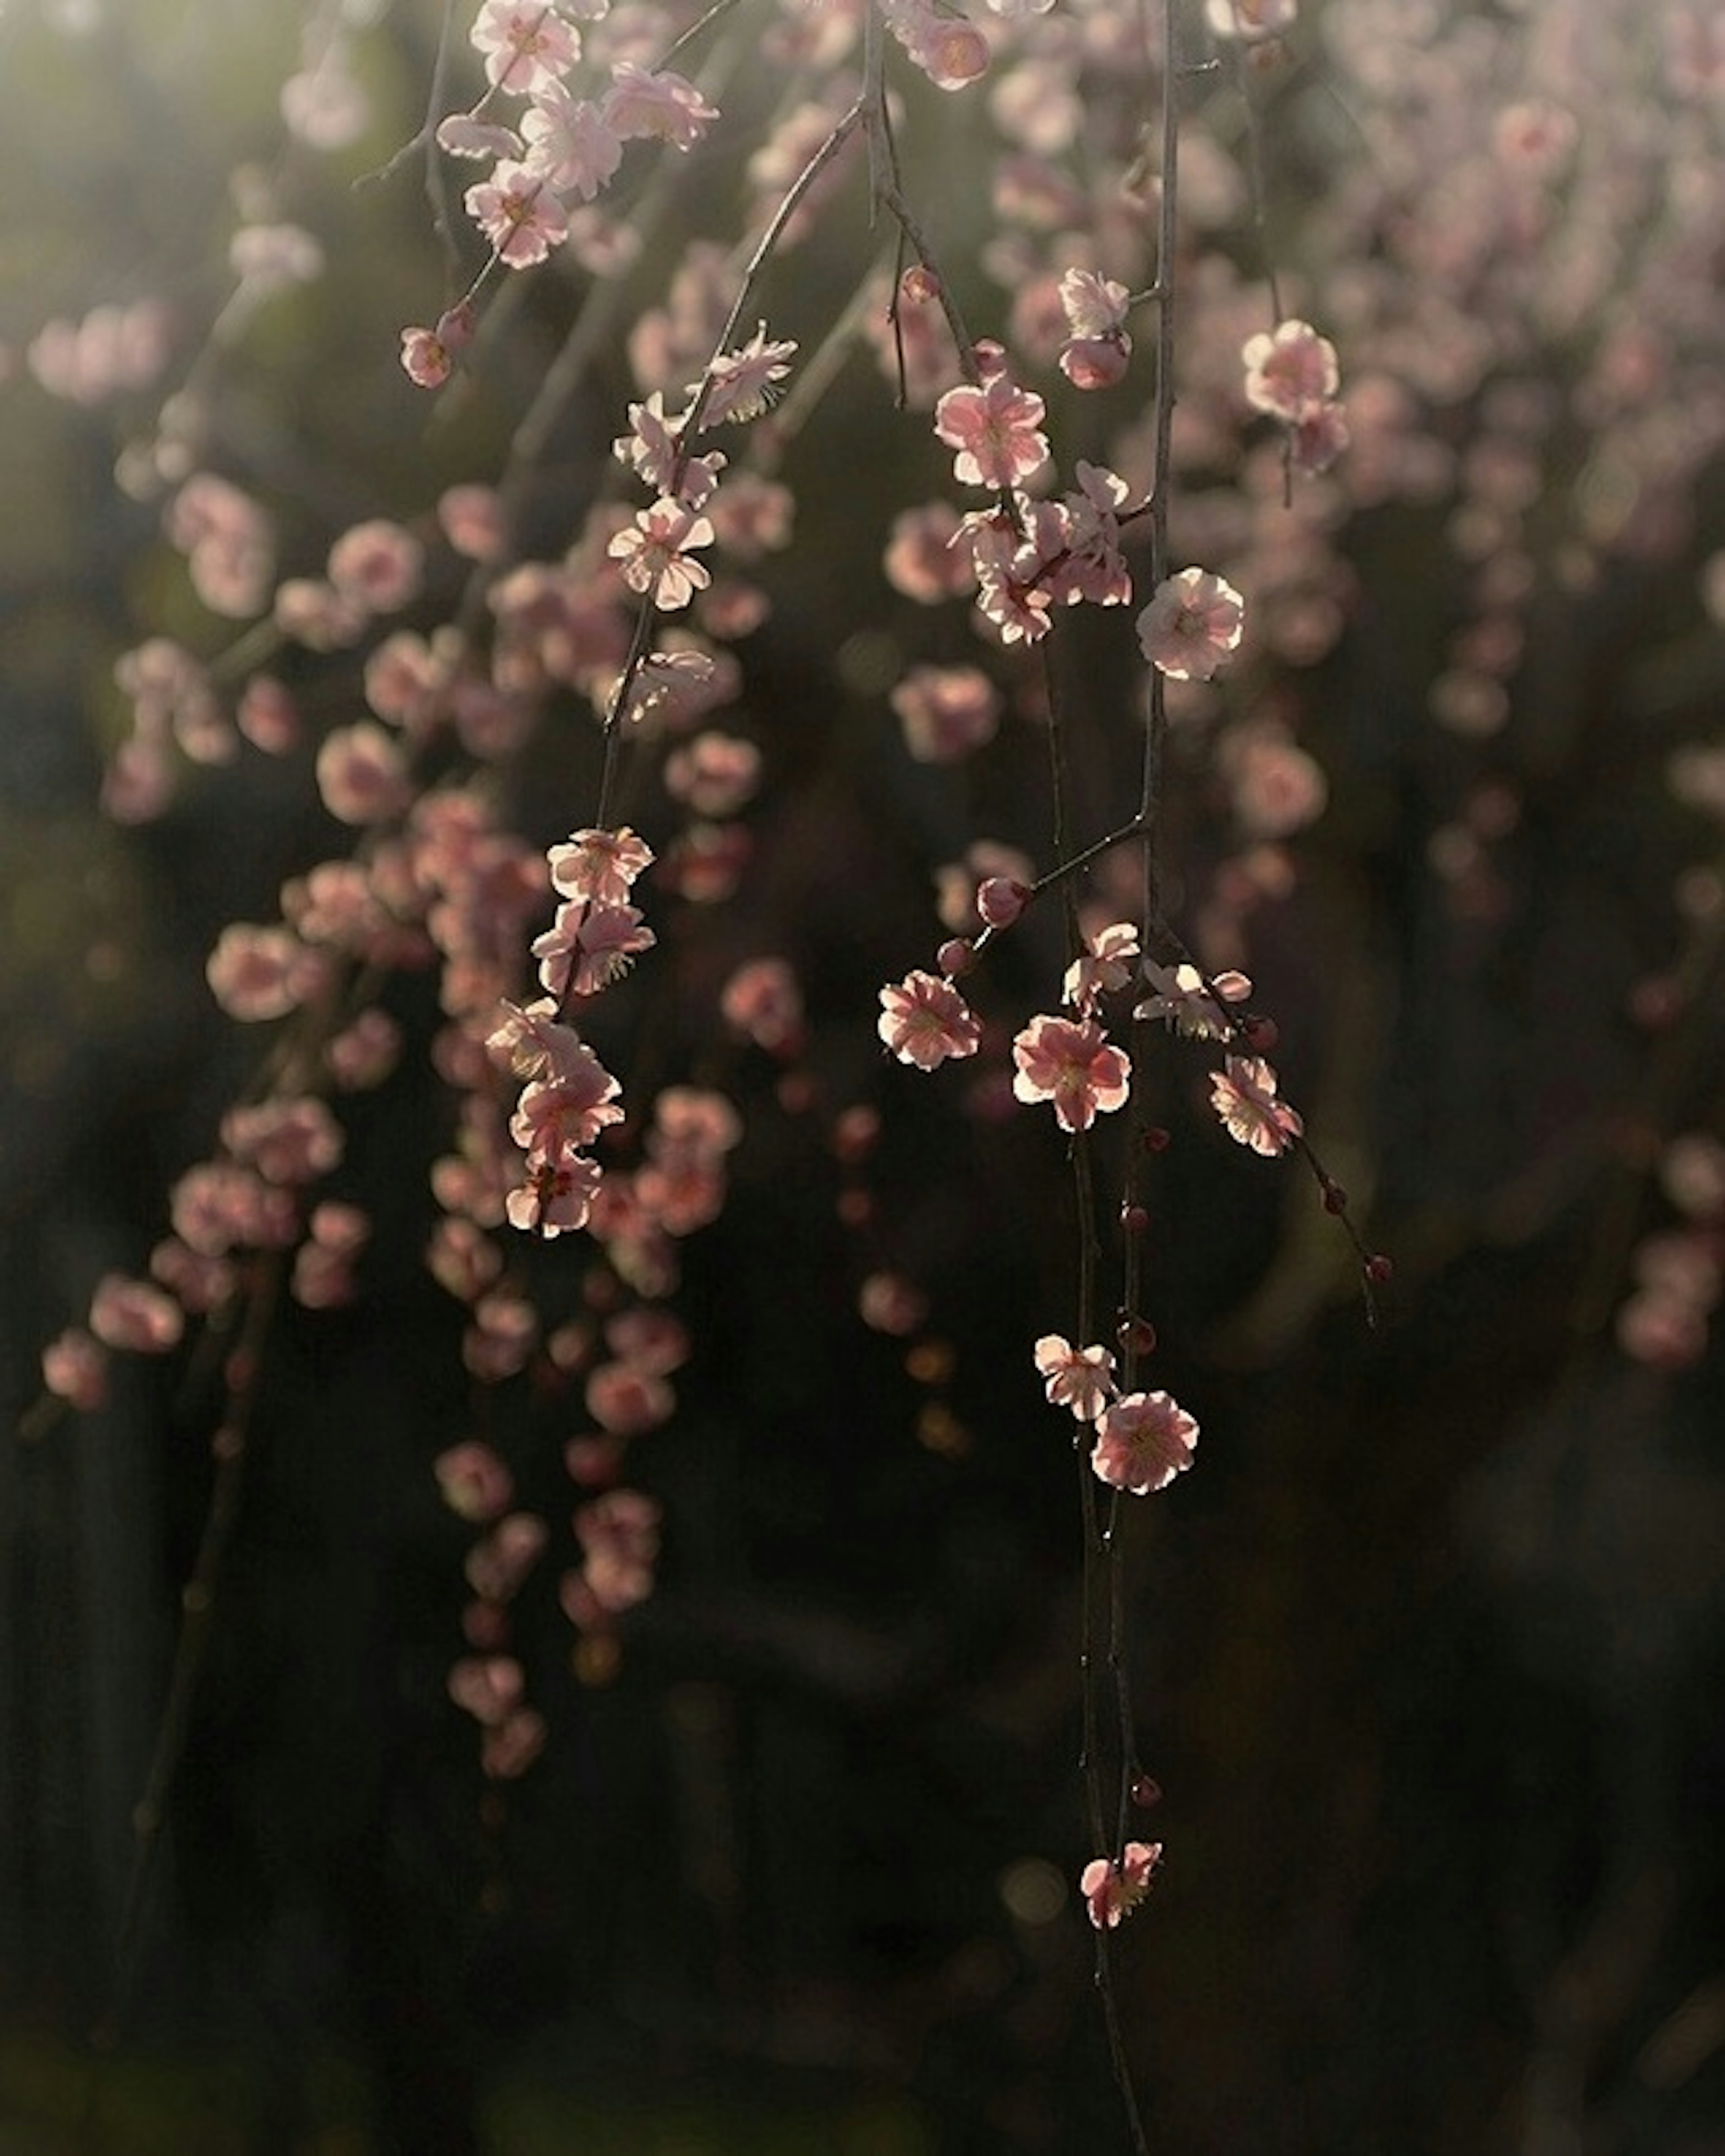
x,y
1427,1651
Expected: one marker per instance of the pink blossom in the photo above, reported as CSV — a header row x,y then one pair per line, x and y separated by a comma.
x,y
287,1141
1096,362
557,1115
743,384
313,612
652,446
496,1565
376,564
74,1369
1291,371
695,1116
1183,999
652,551
486,1689
1104,966
1244,1096
658,104
1094,306
462,1259
258,973
1191,625
1081,1378
1071,1064
500,1340
1112,1888
460,135
518,213
761,1000
924,1020
649,1338
999,901
426,360
1319,437
950,52
618,1534
509,1747
1143,1440
267,716
1251,20
945,711
533,1043
597,865
715,774
922,560
1277,787
1095,354
471,518
887,1302
526,43
994,430
134,1315
362,775
752,516
570,143
626,1402
197,1282
218,1206
404,680
588,946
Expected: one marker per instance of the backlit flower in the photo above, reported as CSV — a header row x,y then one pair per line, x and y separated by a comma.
x,y
994,427
1143,1440
1243,1096
1072,1064
1113,1887
1191,625
924,1020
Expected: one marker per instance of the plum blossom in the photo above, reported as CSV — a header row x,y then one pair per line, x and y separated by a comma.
x,y
587,947
652,553
1073,1065
945,711
569,142
518,213
600,866
526,43
460,135
1291,369
994,429
618,1534
1081,1378
1097,348
74,1369
257,973
652,444
743,384
644,102
1191,626
135,1315
1188,1004
1143,1440
1103,966
923,1020
1113,1887
1251,21
950,52
1244,1096
376,564
362,774
559,1113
